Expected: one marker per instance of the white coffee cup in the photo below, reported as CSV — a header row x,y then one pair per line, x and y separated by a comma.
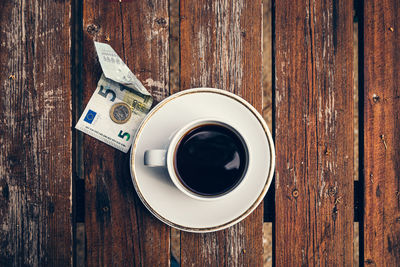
x,y
166,158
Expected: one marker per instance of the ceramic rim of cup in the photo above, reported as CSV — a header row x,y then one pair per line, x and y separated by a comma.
x,y
172,150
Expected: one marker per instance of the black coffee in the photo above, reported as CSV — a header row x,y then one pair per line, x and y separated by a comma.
x,y
210,160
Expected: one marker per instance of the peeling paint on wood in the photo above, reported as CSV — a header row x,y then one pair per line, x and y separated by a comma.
x,y
35,134
221,47
314,133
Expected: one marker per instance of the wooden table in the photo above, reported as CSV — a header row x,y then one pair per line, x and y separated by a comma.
x,y
47,169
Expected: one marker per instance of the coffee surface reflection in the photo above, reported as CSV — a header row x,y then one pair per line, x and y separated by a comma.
x,y
211,160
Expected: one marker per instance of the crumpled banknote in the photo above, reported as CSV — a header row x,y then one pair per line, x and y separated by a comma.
x,y
118,105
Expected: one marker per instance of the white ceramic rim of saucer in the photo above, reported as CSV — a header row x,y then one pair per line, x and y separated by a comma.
x,y
267,181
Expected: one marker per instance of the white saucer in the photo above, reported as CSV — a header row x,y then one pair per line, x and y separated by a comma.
x,y
154,186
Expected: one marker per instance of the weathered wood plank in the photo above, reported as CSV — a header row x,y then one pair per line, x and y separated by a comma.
x,y
313,49
35,134
119,230
381,133
221,47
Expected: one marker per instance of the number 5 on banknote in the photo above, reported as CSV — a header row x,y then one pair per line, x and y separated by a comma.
x,y
106,92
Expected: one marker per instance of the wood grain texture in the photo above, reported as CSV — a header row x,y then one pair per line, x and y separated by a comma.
x,y
381,133
221,48
313,50
119,230
35,134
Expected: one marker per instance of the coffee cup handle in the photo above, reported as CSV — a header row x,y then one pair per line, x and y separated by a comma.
x,y
155,158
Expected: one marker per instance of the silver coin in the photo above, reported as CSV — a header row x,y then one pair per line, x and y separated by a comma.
x,y
120,112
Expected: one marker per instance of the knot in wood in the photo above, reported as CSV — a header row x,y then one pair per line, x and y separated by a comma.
x,y
375,98
161,21
369,261
332,191
295,193
93,29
